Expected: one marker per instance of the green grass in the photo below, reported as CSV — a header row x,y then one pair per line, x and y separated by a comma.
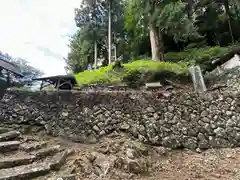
x,y
106,75
176,64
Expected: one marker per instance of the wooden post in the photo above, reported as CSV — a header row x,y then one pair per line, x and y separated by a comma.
x,y
8,79
58,83
41,86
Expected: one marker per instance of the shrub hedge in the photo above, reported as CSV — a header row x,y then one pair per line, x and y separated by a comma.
x,y
133,74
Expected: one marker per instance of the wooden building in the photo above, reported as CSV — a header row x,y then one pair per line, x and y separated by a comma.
x,y
61,82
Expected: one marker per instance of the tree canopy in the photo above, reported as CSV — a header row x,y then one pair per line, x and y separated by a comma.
x,y
151,28
27,70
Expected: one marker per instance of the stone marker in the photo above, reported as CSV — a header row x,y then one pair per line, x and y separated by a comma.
x,y
197,78
153,85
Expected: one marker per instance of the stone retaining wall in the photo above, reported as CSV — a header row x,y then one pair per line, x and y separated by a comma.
x,y
180,120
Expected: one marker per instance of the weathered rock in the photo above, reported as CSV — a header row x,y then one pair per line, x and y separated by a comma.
x,y
190,143
134,167
24,172
9,135
9,146
130,153
184,119
64,177
33,146
57,161
102,164
8,162
46,152
3,130
124,126
171,141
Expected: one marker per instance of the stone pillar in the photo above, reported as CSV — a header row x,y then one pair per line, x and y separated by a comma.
x,y
198,81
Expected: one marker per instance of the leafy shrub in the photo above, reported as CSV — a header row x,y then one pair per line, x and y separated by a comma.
x,y
117,65
134,74
133,78
138,72
200,56
176,56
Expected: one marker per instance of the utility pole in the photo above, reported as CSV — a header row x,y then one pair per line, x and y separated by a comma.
x,y
109,33
115,52
95,41
95,54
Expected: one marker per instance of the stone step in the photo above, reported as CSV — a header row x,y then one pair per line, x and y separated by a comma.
x,y
33,146
9,146
35,170
42,153
9,135
59,159
3,130
25,172
64,177
7,162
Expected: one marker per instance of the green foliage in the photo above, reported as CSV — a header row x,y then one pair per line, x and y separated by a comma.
x,y
29,72
135,72
200,56
117,65
81,51
190,25
173,20
92,20
169,17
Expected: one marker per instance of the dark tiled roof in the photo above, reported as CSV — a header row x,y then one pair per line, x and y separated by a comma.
x,y
55,78
5,64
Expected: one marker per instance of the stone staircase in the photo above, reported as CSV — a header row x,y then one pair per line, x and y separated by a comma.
x,y
23,159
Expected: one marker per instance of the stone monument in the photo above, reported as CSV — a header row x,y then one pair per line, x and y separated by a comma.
x,y
197,78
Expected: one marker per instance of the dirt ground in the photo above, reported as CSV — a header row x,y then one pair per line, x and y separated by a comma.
x,y
150,163
214,164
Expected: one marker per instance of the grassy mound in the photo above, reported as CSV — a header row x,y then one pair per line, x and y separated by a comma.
x,y
137,72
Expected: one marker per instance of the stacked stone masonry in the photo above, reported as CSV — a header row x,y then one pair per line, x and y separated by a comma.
x,y
189,120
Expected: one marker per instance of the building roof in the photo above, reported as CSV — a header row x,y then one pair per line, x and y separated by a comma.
x,y
5,64
54,79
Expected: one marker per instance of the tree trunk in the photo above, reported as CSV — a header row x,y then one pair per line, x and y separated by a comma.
x,y
156,43
190,8
226,6
105,56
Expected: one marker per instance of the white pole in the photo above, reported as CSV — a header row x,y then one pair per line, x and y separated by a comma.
x,y
115,52
95,41
95,54
109,34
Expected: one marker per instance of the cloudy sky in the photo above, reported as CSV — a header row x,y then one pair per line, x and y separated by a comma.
x,y
38,30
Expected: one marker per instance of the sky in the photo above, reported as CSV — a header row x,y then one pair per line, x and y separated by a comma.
x,y
38,31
